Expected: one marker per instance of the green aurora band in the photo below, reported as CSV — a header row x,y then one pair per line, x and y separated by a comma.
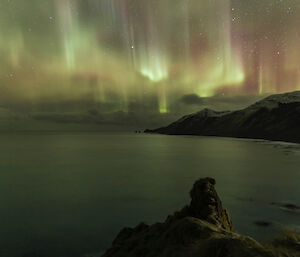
x,y
140,51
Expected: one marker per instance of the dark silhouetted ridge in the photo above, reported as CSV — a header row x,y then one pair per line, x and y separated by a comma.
x,y
276,117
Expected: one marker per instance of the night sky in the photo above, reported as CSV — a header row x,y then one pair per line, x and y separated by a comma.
x,y
126,52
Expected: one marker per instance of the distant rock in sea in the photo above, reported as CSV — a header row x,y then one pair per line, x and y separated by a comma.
x,y
290,207
276,117
201,229
262,223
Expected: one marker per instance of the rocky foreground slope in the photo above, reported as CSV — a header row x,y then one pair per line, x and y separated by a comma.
x,y
201,229
276,117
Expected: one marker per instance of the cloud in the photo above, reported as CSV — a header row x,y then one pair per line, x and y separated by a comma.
x,y
221,102
192,99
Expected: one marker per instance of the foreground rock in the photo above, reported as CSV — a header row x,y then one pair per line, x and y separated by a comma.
x,y
276,117
201,229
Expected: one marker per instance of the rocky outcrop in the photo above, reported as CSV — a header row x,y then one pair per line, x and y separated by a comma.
x,y
201,229
205,205
276,117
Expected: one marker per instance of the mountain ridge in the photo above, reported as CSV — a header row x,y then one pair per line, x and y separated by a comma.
x,y
276,117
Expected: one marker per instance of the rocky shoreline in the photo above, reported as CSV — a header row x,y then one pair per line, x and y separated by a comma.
x,y
201,229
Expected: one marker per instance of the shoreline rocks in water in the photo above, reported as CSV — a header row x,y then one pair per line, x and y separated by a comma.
x,y
201,229
262,223
290,207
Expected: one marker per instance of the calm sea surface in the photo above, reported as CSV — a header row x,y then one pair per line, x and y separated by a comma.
x,y
67,194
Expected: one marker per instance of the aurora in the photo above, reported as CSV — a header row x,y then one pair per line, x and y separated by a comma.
x,y
128,51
